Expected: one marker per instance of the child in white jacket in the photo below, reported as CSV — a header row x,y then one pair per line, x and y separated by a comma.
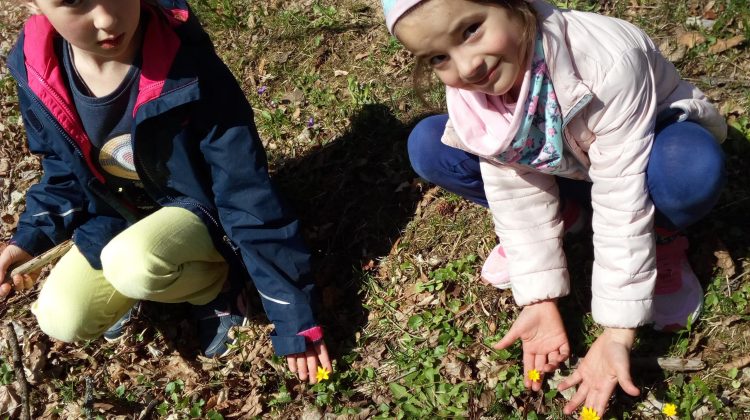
x,y
542,100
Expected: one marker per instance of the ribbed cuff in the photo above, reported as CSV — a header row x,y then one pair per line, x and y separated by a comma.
x,y
313,335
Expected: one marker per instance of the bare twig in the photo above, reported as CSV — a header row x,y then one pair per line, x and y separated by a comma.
x,y
149,408
672,364
41,260
20,375
88,399
738,363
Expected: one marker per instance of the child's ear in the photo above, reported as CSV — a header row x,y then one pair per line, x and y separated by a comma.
x,y
33,8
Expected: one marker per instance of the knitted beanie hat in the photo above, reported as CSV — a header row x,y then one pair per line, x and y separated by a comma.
x,y
394,9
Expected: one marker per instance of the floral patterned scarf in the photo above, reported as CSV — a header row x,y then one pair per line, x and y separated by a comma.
x,y
530,136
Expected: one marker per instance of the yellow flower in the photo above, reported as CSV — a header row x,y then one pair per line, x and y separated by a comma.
x,y
322,373
669,410
534,375
589,413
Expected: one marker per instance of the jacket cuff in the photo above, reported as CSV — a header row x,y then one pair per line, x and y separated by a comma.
x,y
536,287
284,346
32,241
621,313
313,335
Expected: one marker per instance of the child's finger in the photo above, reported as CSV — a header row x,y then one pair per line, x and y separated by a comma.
x,y
528,365
625,381
302,368
539,362
508,339
5,289
312,365
598,400
28,281
18,283
572,380
577,400
322,352
552,360
292,361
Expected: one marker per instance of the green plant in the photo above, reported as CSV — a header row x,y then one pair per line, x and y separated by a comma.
x,y
7,374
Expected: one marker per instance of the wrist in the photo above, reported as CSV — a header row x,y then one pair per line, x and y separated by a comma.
x,y
622,335
542,304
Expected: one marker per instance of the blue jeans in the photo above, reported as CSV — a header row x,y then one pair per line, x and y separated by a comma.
x,y
685,171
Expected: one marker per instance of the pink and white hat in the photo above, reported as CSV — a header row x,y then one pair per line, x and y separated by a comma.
x,y
394,9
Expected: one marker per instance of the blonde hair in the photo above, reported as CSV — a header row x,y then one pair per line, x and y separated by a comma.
x,y
520,10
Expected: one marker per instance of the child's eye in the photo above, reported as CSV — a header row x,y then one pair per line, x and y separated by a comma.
x,y
70,2
471,30
437,60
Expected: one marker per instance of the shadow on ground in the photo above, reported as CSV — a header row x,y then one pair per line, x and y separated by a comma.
x,y
354,197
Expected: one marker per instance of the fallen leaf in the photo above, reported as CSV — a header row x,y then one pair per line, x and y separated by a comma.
x,y
177,367
725,262
725,44
10,402
691,39
340,72
36,354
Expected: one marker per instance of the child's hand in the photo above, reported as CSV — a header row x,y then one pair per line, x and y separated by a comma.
x,y
12,255
305,365
606,364
545,344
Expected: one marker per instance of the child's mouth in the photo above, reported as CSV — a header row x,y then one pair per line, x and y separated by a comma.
x,y
111,43
488,77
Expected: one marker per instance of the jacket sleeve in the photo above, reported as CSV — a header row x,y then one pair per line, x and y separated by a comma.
x,y
524,207
56,205
253,215
624,271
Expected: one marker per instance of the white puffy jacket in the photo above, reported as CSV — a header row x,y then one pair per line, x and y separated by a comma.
x,y
611,83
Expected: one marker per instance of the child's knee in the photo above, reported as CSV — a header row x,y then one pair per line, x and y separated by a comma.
x,y
65,320
127,268
423,143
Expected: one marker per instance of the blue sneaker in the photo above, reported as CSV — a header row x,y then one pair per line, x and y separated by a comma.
x,y
116,331
216,319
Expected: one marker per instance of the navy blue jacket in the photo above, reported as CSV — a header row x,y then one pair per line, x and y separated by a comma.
x,y
195,146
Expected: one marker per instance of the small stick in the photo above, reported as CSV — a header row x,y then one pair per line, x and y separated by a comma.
x,y
88,399
149,408
20,375
739,363
40,261
672,364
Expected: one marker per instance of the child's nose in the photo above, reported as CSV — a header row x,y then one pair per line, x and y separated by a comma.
x,y
472,69
103,18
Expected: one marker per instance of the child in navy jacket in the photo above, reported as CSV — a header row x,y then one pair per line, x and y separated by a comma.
x,y
153,165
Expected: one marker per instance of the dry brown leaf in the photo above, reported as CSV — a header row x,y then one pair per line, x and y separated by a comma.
x,y
724,261
36,355
251,408
725,44
10,402
456,370
177,367
691,39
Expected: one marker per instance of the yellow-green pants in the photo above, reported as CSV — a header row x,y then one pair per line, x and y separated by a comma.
x,y
165,257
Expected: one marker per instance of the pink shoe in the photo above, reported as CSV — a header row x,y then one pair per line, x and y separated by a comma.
x,y
678,294
495,267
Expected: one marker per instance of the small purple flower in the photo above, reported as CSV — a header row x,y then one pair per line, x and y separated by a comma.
x,y
262,90
310,122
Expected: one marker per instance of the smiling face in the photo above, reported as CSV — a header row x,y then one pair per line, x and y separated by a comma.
x,y
102,30
472,46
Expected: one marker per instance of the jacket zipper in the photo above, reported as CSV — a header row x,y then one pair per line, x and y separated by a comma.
x,y
48,113
201,207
